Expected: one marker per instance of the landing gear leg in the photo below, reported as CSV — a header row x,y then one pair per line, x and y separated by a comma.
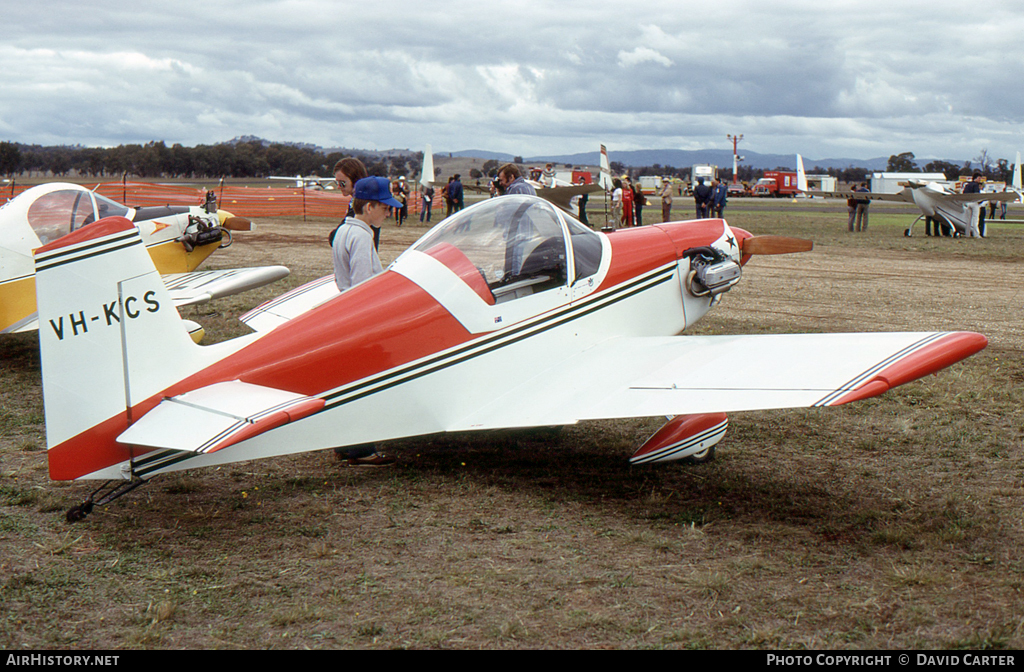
x,y
910,229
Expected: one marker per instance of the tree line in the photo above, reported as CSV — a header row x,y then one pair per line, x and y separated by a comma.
x,y
248,159
993,169
256,159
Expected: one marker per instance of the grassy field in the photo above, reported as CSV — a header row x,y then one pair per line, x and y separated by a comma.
x,y
890,523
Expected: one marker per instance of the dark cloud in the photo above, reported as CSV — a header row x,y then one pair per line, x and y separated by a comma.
x,y
857,79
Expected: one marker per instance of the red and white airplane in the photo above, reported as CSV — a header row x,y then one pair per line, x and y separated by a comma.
x,y
508,314
178,238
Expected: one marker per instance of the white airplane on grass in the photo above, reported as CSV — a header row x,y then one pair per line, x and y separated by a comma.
x,y
307,181
508,314
178,238
957,211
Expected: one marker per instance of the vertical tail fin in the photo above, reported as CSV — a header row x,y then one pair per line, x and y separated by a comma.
x,y
427,175
109,335
801,176
1016,175
605,180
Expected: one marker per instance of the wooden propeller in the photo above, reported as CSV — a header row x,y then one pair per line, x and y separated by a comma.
x,y
775,245
237,224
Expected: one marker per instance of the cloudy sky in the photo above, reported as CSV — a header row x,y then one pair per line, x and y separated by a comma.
x,y
826,78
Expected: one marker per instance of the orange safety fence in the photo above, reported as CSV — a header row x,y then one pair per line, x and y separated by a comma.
x,y
242,201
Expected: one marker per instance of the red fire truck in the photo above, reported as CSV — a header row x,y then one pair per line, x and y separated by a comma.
x,y
776,183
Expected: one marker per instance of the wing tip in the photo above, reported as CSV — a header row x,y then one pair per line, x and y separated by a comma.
x,y
943,352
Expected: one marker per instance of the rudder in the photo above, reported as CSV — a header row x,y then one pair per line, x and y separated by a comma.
x,y
109,336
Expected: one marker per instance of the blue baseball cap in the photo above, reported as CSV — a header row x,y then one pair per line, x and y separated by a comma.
x,y
375,189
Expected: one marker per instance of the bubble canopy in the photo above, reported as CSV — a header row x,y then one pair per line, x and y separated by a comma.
x,y
515,245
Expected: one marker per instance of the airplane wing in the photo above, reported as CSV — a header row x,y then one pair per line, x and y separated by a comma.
x,y
561,196
903,196
202,286
272,314
1008,196
906,196
30,323
646,376
623,377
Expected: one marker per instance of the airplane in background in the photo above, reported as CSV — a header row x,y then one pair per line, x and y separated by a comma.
x,y
508,314
951,209
307,181
554,190
178,238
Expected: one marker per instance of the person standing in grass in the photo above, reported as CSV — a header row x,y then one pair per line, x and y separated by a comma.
x,y
666,199
638,204
616,203
861,219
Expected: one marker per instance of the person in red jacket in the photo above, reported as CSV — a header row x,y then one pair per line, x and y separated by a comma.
x,y
627,202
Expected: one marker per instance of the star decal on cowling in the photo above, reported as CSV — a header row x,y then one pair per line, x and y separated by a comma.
x,y
731,240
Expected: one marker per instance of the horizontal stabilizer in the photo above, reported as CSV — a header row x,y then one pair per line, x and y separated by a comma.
x,y
214,417
202,286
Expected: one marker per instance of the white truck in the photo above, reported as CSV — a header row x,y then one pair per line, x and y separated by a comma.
x,y
705,170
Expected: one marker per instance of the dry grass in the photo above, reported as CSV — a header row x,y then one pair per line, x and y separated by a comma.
x,y
893,523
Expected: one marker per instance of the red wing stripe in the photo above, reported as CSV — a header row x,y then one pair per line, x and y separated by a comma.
x,y
261,422
937,355
870,373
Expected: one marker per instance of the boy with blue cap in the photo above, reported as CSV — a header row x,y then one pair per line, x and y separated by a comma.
x,y
355,258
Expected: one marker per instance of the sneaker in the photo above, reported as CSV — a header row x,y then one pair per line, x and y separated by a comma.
x,y
375,460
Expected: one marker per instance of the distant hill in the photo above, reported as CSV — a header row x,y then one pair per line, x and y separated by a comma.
x,y
486,155
677,158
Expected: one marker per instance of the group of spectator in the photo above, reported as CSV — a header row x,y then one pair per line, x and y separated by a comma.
x,y
858,209
454,195
710,200
452,192
628,203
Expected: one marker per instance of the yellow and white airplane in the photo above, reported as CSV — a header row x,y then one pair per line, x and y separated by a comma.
x,y
178,238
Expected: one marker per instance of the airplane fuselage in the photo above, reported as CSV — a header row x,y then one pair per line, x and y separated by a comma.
x,y
415,351
48,211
